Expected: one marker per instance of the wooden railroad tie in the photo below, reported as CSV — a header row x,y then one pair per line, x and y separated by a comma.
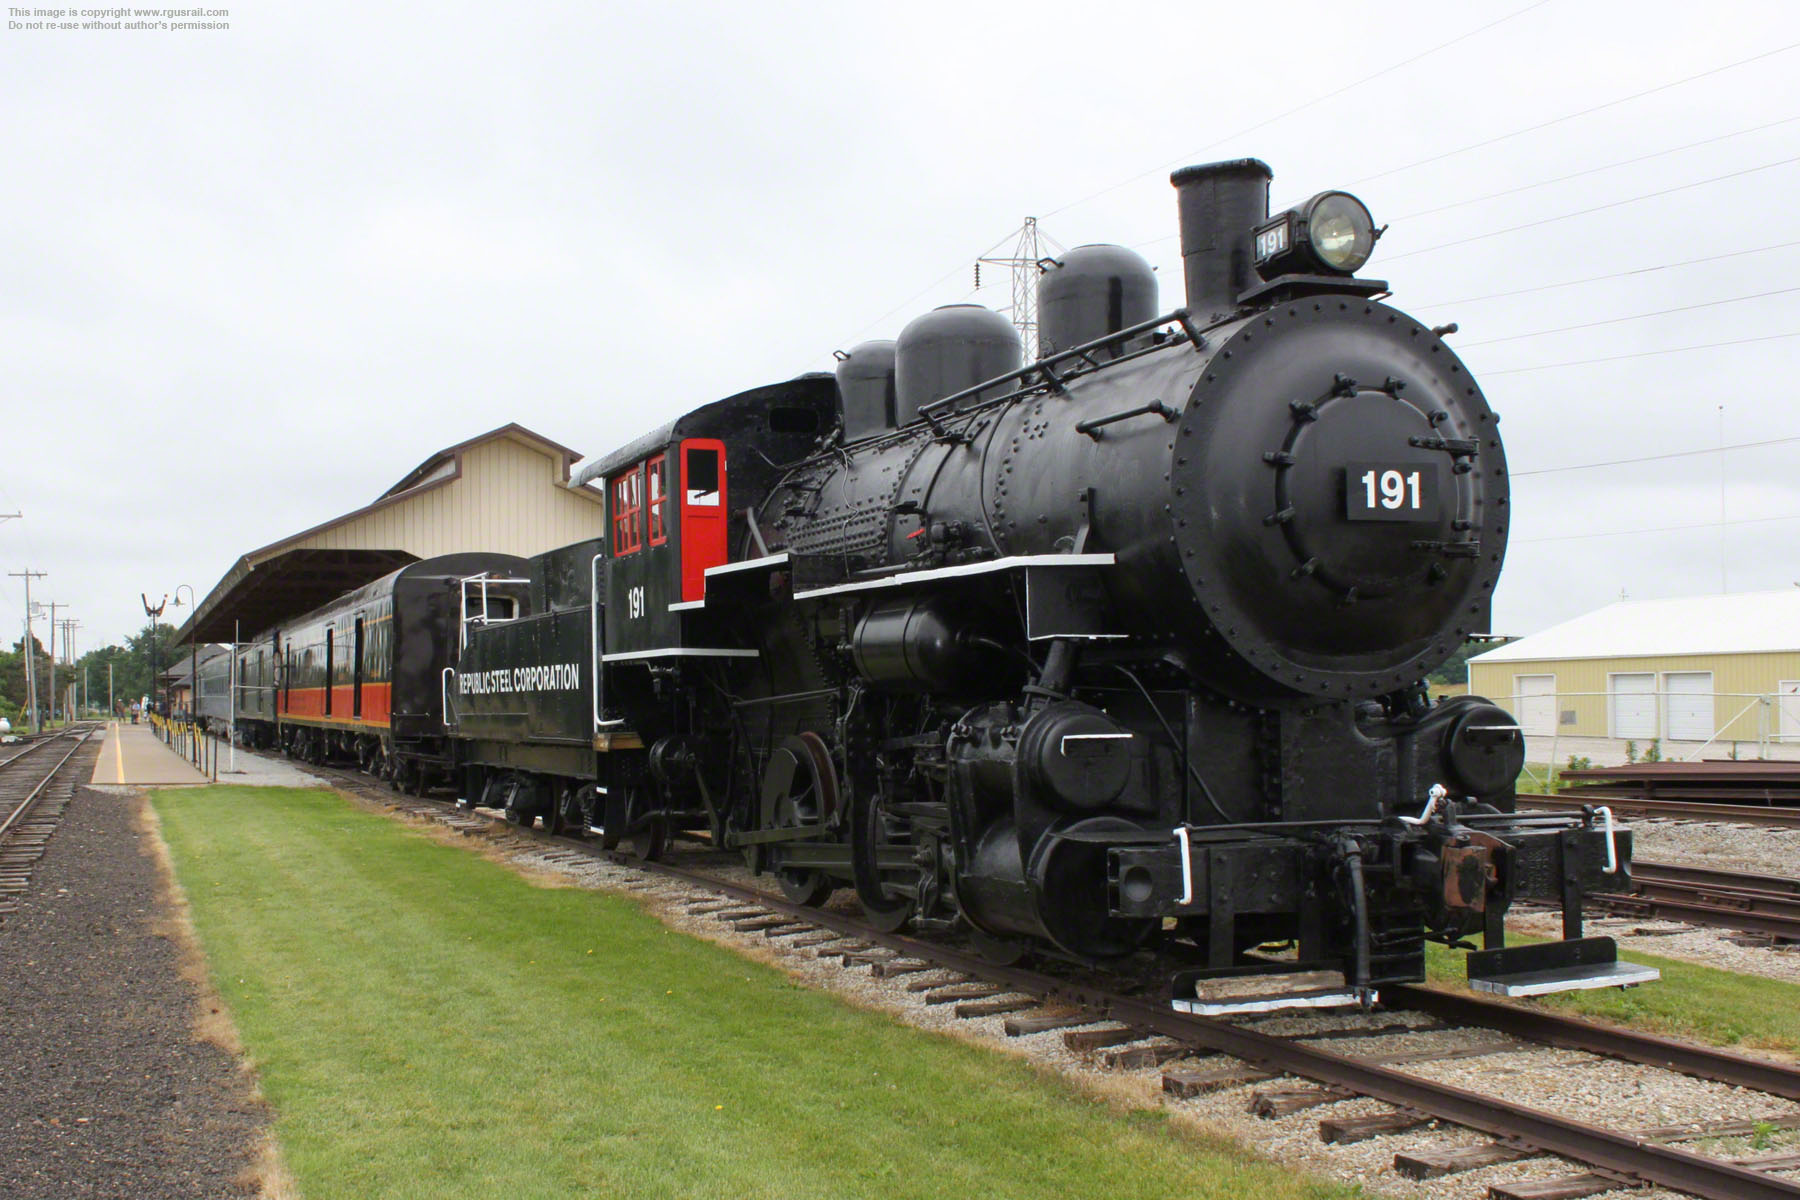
x,y
760,924
1027,1026
962,991
928,985
892,968
867,958
1562,1187
833,951
1344,1130
993,1008
1188,1084
1134,1058
1430,1164
1271,1103
1083,1040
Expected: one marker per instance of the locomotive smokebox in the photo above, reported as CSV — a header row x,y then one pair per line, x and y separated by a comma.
x,y
1221,205
1090,292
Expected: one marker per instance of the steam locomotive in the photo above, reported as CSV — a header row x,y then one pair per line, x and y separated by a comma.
x,y
1114,650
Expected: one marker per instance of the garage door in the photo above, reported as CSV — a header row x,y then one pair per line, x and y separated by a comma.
x,y
1689,705
1632,705
1537,703
1790,709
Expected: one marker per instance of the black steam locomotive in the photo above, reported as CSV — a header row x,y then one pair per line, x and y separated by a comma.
x,y
1116,649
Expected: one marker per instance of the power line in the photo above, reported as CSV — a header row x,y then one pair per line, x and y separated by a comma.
x,y
1582,362
1619,462
1550,287
924,291
1625,162
1662,87
1661,312
1576,537
1263,124
1477,237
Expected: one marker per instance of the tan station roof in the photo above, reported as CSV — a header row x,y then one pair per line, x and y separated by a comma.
x,y
506,490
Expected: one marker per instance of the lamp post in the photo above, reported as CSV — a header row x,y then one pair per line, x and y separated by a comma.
x,y
155,615
193,667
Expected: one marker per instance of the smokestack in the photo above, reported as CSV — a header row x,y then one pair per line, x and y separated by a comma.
x,y
1221,203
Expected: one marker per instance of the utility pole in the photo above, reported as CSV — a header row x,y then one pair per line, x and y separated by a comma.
x,y
112,709
69,626
30,675
53,607
1025,263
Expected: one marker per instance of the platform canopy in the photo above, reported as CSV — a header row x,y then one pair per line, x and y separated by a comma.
x,y
507,490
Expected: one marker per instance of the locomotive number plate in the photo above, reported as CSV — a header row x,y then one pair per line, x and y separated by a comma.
x,y
1390,491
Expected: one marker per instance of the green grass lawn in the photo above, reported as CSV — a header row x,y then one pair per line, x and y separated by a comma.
x,y
1705,1004
425,1023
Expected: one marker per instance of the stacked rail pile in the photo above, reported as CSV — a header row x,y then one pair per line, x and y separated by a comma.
x,y
1719,781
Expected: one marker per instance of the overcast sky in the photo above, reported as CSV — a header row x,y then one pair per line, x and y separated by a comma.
x,y
252,276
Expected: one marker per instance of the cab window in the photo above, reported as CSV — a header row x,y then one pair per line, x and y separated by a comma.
x,y
657,489
627,507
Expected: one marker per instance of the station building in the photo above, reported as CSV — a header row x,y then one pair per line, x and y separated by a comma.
x,y
1702,676
507,490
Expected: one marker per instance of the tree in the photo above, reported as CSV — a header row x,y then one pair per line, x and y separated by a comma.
x,y
13,692
1456,667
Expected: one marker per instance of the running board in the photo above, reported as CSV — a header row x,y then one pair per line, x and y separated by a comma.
x,y
1545,967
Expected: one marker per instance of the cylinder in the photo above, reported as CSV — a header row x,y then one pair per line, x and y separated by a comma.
x,y
949,350
1221,205
865,379
1090,292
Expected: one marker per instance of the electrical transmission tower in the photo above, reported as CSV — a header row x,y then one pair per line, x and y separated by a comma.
x,y
1030,250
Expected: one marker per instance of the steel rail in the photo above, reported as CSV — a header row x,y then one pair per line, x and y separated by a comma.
x,y
1643,870
1570,1033
1712,1179
25,804
1715,916
36,743
1628,1155
1741,814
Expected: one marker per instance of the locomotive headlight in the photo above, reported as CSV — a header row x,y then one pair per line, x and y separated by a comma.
x,y
1341,231
1331,233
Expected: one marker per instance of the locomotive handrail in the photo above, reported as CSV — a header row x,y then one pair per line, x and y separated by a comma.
x,y
1043,365
594,640
444,695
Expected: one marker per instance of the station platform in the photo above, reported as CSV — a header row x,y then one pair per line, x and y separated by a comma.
x,y
133,754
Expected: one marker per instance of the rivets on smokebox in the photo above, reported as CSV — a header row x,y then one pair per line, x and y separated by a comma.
x,y
1343,385
1304,569
1303,410
1278,458
1280,518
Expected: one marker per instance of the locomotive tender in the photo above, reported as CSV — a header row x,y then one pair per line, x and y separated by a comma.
x,y
1117,649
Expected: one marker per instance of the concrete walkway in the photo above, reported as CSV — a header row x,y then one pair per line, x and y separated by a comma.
x,y
133,754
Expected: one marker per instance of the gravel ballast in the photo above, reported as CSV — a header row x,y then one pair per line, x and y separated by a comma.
x,y
109,1091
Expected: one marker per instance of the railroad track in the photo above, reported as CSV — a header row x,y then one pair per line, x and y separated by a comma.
x,y
35,785
1670,810
1765,904
1126,1028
